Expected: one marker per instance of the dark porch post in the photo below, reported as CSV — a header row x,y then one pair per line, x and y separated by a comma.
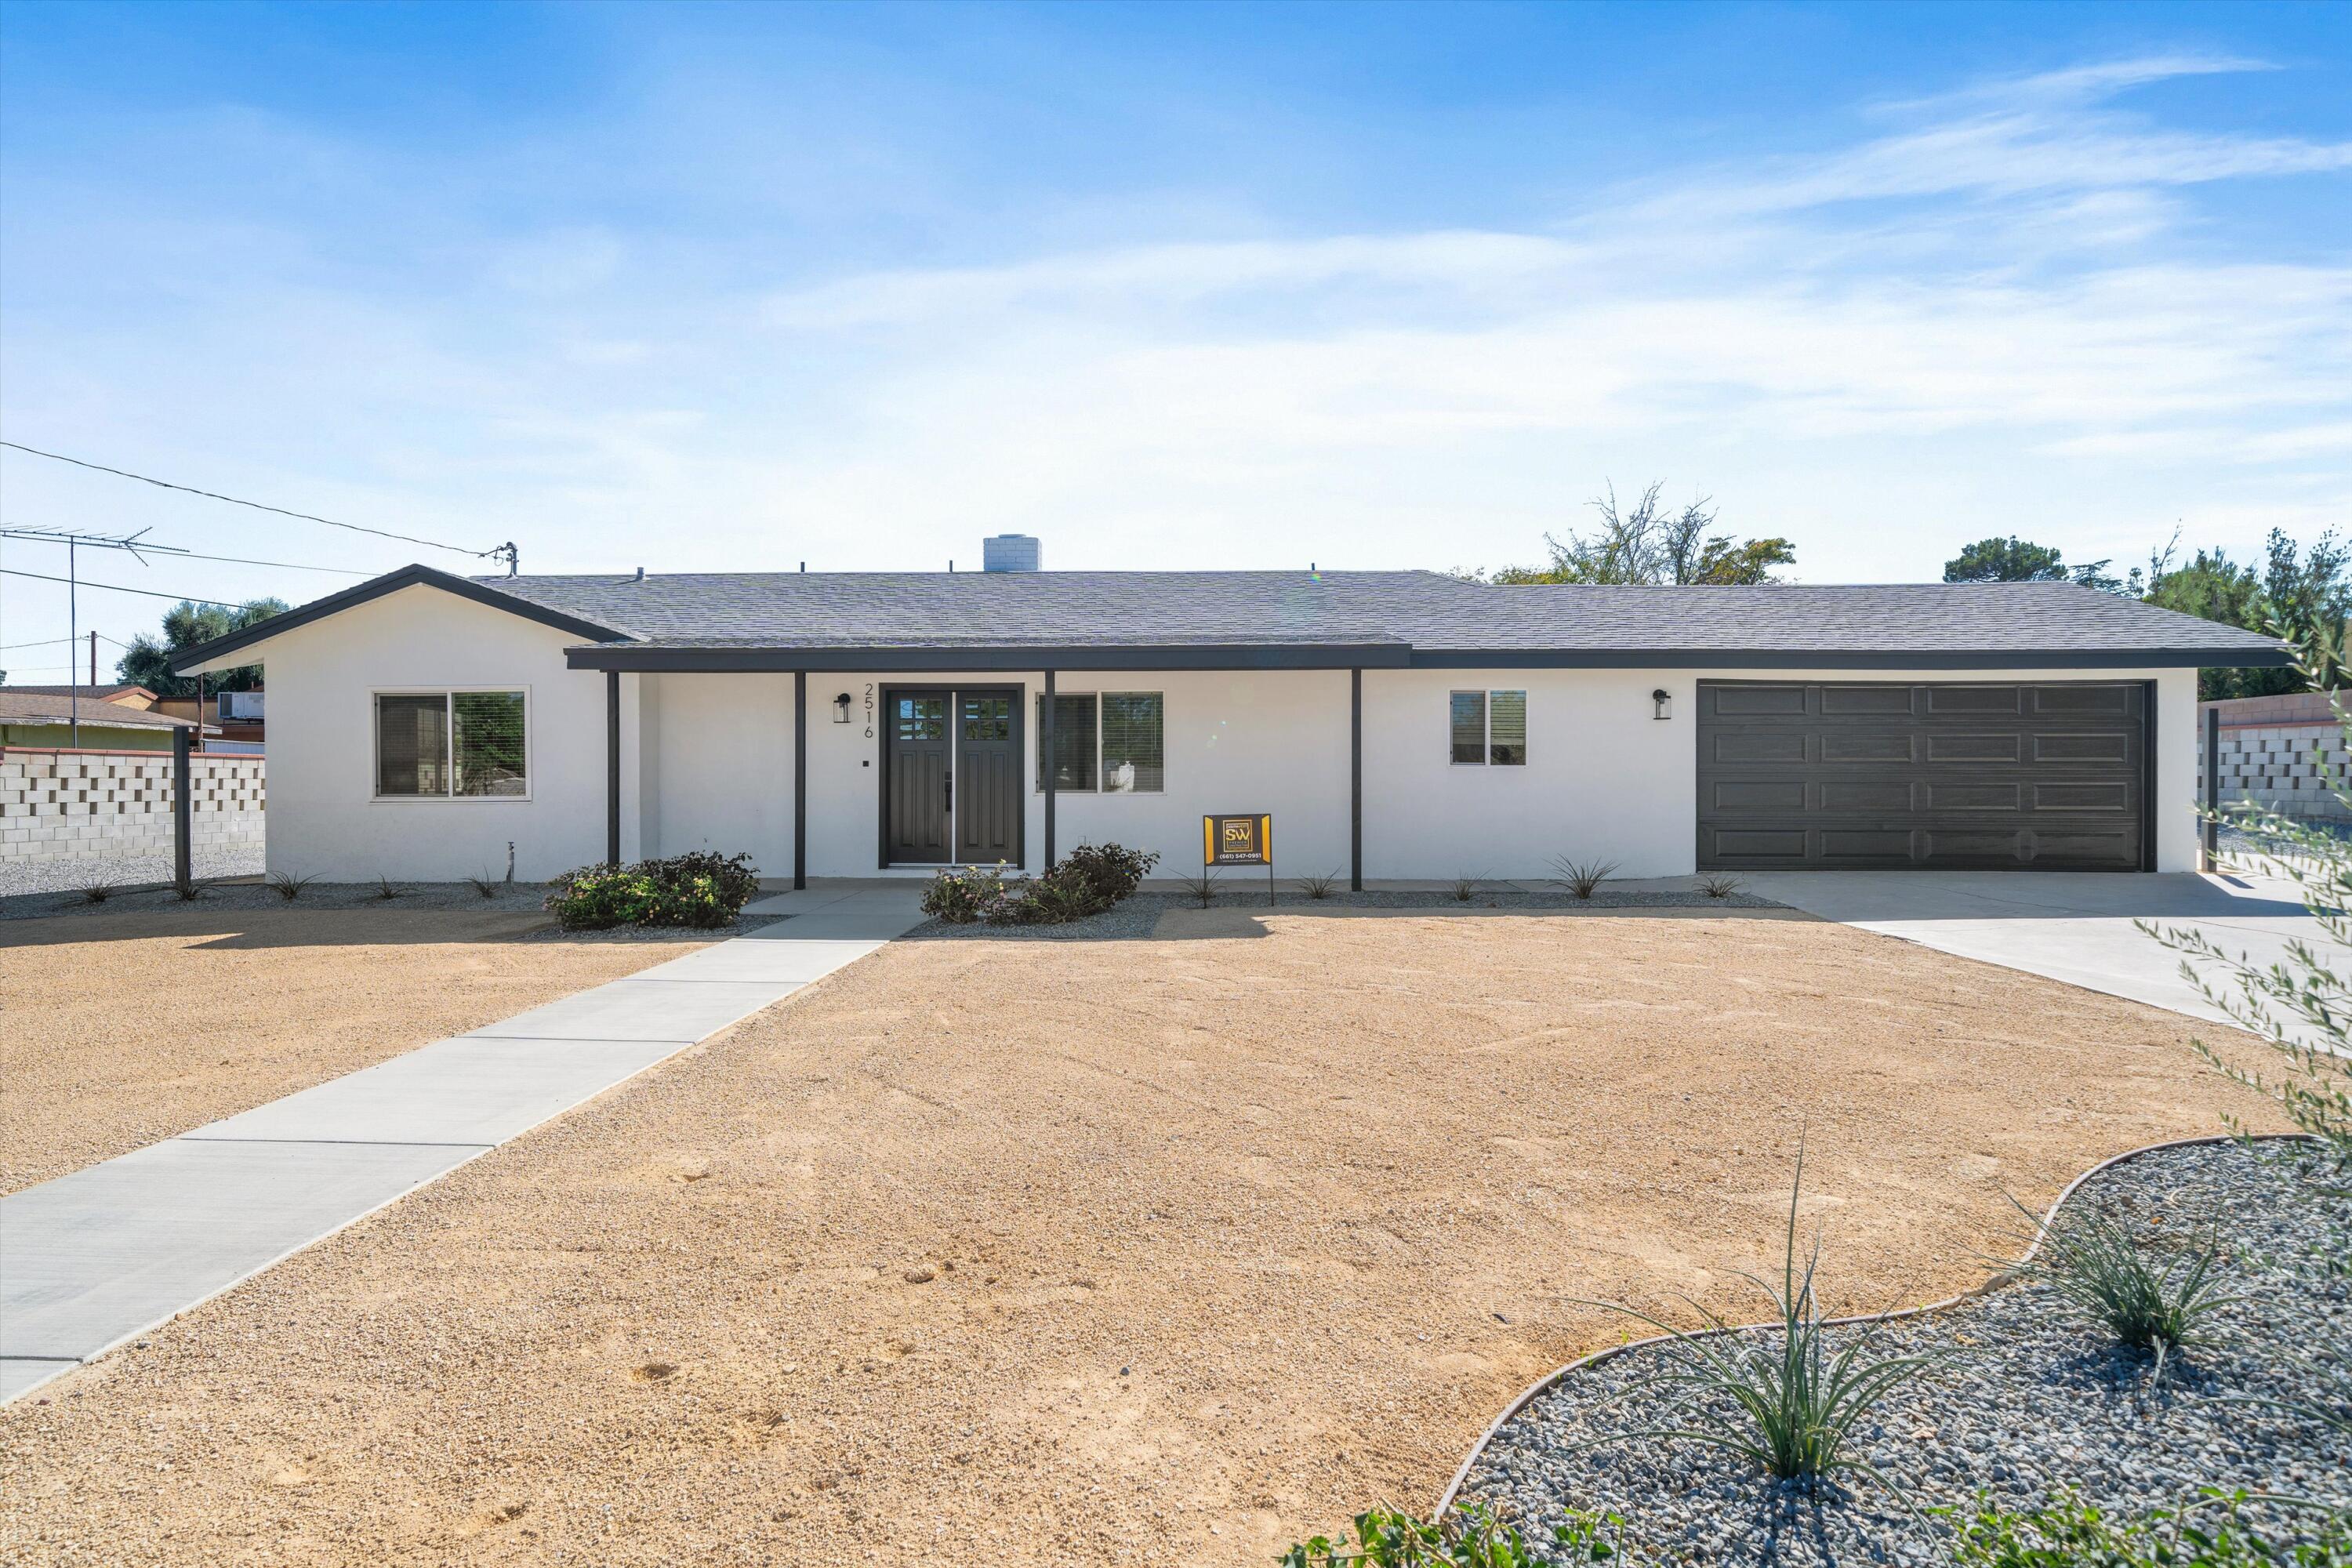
x,y
2208,832
1356,781
611,767
1045,766
183,859
800,779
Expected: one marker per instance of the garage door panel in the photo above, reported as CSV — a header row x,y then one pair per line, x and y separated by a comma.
x,y
1922,774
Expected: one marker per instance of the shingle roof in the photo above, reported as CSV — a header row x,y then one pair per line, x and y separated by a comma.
x,y
1426,616
18,706
973,620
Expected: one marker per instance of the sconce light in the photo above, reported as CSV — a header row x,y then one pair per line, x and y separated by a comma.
x,y
1658,702
840,709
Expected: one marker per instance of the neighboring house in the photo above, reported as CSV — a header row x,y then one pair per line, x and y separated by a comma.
x,y
1395,724
42,717
122,694
232,720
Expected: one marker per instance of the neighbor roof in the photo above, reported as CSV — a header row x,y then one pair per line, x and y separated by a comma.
x,y
114,691
20,706
874,620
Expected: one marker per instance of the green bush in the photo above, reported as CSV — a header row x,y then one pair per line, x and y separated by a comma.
x,y
962,894
1086,881
1473,1538
700,891
2207,1533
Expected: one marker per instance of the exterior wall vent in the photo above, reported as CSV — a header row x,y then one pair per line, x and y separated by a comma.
x,y
1012,552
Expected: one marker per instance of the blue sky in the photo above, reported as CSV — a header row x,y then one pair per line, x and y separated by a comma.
x,y
1168,285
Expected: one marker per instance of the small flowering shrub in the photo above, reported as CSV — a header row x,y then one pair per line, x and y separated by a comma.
x,y
962,894
1086,881
700,891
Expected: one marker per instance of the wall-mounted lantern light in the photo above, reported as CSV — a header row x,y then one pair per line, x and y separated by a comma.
x,y
1658,702
840,709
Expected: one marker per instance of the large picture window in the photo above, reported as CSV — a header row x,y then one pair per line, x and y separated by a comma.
x,y
1110,742
451,745
1488,729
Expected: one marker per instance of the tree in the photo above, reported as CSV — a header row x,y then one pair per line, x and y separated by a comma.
x,y
2010,560
148,662
2305,596
1647,545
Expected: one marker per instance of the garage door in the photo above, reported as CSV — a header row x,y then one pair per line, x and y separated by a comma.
x,y
1854,776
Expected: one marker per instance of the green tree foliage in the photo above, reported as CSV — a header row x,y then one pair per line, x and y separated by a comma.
x,y
2015,560
1647,544
148,661
2304,593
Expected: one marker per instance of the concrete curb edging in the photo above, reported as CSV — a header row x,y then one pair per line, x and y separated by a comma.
x,y
2000,1277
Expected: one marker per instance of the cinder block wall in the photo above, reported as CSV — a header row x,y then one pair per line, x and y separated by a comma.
x,y
2273,749
67,805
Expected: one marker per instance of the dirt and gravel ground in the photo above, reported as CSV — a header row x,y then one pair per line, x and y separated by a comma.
x,y
126,1027
1167,1249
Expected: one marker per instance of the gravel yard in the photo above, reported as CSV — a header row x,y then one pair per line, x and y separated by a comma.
x,y
1170,1248
144,1017
2030,1399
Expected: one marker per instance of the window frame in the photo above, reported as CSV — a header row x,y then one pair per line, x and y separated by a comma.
x,y
1045,761
1486,726
449,721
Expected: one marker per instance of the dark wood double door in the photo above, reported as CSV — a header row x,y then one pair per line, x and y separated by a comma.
x,y
952,775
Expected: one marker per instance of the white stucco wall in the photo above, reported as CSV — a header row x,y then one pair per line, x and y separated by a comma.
x,y
1605,780
707,761
324,820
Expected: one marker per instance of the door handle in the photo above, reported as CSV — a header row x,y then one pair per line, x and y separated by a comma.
x,y
950,791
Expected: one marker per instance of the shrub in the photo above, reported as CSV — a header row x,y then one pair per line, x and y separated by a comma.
x,y
1464,889
1319,887
1583,878
384,892
1473,1538
1112,871
287,886
1719,887
699,891
97,892
2153,1297
962,894
2207,1533
483,885
1794,1406
1202,888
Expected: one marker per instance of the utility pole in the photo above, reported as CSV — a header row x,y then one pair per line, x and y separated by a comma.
x,y
73,541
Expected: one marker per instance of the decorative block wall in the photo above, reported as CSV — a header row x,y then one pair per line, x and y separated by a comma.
x,y
69,805
2272,750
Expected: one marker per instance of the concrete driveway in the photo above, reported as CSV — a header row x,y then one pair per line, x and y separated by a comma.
x,y
2077,927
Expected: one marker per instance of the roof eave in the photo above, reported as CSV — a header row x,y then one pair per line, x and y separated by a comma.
x,y
1868,658
216,654
1001,658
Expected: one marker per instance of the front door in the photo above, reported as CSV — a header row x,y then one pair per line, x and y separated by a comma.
x,y
952,777
917,776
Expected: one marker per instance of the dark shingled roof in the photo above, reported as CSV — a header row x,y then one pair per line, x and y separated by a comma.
x,y
877,620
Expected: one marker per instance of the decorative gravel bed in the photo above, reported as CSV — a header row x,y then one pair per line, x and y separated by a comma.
x,y
259,895
1135,917
2030,1399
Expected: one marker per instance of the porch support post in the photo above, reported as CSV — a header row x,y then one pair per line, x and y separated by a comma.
x,y
1356,781
800,779
183,858
611,767
2208,832
1045,766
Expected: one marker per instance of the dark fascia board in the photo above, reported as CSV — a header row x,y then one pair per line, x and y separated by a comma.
x,y
414,576
995,658
1891,658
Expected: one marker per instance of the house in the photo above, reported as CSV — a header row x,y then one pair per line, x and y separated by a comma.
x,y
1395,724
232,720
43,717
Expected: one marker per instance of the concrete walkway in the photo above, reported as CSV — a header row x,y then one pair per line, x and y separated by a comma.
x,y
99,1256
2078,927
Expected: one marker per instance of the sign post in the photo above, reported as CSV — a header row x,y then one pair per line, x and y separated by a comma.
x,y
1239,841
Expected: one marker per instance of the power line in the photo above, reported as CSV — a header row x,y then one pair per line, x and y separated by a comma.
x,y
505,551
234,560
117,588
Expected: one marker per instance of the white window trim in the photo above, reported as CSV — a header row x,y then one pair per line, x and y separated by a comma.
x,y
1485,726
375,747
1097,789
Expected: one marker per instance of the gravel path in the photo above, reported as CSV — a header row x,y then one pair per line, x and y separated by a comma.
x,y
19,877
2030,1400
1138,916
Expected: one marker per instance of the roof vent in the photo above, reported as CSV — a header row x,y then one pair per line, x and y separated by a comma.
x,y
1012,552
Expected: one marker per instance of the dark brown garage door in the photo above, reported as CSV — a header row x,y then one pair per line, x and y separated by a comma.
x,y
1850,777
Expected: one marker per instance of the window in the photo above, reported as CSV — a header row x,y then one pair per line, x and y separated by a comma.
x,y
451,744
1488,729
1110,743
